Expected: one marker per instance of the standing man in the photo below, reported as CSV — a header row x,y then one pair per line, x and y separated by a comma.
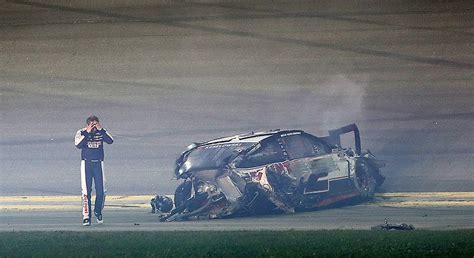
x,y
91,142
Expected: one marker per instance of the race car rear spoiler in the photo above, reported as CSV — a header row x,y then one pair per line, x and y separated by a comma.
x,y
334,137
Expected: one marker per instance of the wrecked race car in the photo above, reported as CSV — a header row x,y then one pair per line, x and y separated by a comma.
x,y
270,172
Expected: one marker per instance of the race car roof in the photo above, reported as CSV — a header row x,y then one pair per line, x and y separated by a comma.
x,y
252,137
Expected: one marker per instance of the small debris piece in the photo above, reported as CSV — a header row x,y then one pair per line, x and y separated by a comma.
x,y
389,226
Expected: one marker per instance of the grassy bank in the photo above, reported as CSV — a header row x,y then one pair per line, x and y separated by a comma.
x,y
240,244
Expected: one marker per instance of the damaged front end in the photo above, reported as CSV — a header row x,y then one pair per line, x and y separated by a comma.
x,y
271,172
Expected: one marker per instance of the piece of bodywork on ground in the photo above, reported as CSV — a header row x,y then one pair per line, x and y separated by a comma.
x,y
393,226
271,172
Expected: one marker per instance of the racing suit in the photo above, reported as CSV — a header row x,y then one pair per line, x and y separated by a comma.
x,y
92,168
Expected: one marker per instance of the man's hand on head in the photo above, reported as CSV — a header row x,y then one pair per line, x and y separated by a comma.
x,y
89,127
98,126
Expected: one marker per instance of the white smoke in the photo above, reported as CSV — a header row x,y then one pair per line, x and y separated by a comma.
x,y
318,106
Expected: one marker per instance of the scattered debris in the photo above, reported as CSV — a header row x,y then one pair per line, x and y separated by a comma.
x,y
389,226
161,204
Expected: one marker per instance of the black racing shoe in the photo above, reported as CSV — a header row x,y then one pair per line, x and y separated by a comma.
x,y
86,222
99,219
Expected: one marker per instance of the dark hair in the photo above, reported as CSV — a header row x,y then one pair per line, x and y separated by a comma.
x,y
91,119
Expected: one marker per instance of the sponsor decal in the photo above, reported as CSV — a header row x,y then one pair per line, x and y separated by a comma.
x,y
288,134
85,204
226,145
93,145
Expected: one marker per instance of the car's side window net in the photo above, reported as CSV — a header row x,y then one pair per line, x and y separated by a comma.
x,y
270,152
300,146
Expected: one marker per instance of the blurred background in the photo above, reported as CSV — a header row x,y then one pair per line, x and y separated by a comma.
x,y
163,74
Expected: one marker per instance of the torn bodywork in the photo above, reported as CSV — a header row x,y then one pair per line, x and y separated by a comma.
x,y
271,172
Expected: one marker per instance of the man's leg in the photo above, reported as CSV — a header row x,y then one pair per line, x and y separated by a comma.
x,y
99,181
86,185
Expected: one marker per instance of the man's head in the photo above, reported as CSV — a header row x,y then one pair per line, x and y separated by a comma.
x,y
92,119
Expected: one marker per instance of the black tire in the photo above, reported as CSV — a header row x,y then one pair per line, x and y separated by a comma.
x,y
182,193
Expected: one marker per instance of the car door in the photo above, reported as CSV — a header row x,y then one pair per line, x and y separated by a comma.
x,y
312,163
253,165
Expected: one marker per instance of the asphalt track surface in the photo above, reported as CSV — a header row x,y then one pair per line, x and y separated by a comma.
x,y
427,210
161,76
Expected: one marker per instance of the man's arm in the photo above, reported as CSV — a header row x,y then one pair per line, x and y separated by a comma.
x,y
107,137
80,138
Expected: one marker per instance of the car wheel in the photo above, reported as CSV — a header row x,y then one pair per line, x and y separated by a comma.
x,y
182,193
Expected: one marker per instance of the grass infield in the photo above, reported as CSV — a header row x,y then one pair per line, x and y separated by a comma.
x,y
324,243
